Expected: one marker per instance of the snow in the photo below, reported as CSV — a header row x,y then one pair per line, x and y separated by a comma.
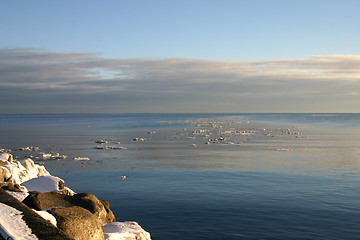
x,y
24,170
18,195
125,231
47,216
11,222
34,168
6,157
43,184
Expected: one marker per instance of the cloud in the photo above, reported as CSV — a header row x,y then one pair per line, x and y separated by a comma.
x,y
28,77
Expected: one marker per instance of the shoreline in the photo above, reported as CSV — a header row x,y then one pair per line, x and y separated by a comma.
x,y
48,209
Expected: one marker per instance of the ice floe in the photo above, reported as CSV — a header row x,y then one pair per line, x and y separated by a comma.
x,y
110,147
82,159
52,156
284,149
139,139
30,149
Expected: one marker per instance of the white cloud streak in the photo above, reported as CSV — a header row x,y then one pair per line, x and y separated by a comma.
x,y
163,85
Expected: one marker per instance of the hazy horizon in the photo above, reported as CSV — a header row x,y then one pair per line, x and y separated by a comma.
x,y
180,57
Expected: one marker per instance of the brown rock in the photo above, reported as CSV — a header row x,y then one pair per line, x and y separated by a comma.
x,y
100,209
110,217
43,229
96,207
10,186
40,201
78,223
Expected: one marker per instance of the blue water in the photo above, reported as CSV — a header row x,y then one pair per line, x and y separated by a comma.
x,y
246,191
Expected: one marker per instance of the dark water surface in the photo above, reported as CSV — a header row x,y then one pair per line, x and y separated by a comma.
x,y
269,184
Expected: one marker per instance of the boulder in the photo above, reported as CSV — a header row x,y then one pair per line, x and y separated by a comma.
x,y
110,217
40,201
100,209
78,223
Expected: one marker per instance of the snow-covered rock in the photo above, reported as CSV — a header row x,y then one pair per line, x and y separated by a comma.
x,y
5,157
125,231
34,168
44,184
20,173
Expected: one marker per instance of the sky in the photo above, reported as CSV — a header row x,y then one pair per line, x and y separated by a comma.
x,y
128,56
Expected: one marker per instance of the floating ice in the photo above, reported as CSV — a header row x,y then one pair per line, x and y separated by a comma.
x,y
30,149
82,159
53,156
138,139
110,147
284,149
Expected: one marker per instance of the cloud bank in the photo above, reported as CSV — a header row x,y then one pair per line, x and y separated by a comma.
x,y
37,81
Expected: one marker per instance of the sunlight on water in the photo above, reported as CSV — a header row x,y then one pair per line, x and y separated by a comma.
x,y
264,176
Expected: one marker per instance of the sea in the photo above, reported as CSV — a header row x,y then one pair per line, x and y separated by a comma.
x,y
207,176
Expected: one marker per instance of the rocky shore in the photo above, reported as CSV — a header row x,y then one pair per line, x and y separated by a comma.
x,y
37,205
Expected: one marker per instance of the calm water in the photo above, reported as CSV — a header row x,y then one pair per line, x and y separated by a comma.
x,y
267,176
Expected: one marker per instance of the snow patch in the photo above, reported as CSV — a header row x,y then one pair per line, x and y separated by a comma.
x,y
47,216
12,224
43,184
125,231
18,195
